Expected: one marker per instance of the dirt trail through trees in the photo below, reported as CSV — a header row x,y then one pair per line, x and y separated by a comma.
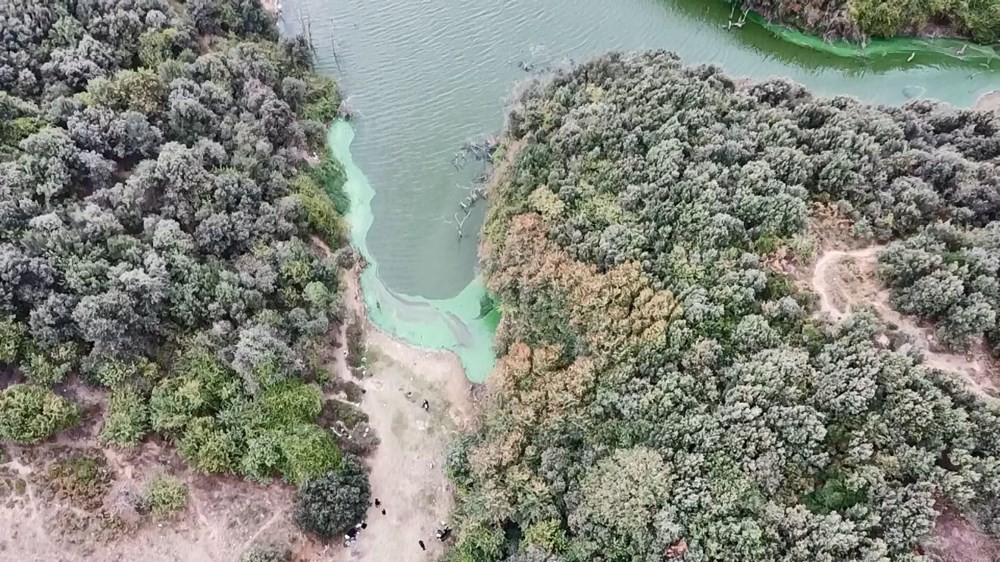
x,y
846,280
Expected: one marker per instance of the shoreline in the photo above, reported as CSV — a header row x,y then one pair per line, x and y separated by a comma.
x,y
381,338
989,101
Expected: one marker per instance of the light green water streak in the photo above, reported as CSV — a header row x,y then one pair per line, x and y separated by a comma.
x,y
453,324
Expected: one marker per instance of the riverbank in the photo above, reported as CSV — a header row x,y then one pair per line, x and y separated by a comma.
x,y
412,442
989,102
862,22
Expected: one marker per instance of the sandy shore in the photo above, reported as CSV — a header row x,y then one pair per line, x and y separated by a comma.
x,y
990,101
407,468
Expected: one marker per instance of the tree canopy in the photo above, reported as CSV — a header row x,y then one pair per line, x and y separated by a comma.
x,y
156,209
661,390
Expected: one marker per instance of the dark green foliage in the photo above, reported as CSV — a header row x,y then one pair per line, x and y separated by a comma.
x,y
29,414
322,101
237,17
335,501
156,222
659,384
323,216
329,174
345,413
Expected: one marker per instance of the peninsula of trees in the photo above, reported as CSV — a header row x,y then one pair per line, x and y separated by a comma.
x,y
156,215
663,392
978,20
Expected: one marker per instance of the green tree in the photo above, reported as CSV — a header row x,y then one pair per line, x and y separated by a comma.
x,y
29,414
335,501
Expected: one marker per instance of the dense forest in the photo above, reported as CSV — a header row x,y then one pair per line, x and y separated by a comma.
x,y
662,392
978,20
156,215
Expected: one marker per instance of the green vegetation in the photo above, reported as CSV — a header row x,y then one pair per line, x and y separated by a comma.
x,y
29,414
267,554
127,419
857,19
82,479
156,211
948,275
165,496
661,390
335,501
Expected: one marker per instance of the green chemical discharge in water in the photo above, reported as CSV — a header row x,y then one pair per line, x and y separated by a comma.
x,y
422,78
931,50
458,324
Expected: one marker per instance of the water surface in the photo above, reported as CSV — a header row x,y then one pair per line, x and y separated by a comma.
x,y
425,76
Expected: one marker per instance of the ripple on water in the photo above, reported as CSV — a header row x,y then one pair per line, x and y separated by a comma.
x,y
427,75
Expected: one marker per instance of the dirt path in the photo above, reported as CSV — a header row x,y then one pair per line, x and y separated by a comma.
x,y
407,468
846,279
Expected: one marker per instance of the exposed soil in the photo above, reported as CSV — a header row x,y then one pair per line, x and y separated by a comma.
x,y
38,522
226,515
989,102
959,540
407,468
846,280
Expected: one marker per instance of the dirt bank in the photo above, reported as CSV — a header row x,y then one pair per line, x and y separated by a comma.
x,y
989,102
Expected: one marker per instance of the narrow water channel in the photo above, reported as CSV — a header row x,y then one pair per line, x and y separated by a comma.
x,y
425,76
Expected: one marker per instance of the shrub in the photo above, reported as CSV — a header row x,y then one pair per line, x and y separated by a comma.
x,y
267,554
12,339
335,501
29,414
165,496
320,209
83,480
127,420
308,451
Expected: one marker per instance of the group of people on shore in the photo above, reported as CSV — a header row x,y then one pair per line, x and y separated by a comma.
x,y
351,536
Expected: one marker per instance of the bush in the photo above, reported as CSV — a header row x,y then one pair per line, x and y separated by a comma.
x,y
308,452
165,496
320,209
12,340
267,554
29,414
127,420
83,480
336,501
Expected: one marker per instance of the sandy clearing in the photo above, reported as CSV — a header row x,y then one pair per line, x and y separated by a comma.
x,y
989,102
957,539
846,279
224,515
407,469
